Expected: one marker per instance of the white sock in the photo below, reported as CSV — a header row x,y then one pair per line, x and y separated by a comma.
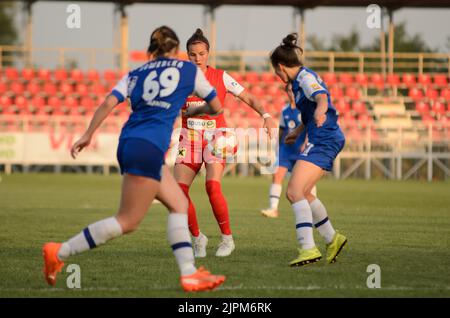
x,y
274,195
180,241
303,224
92,236
227,237
321,221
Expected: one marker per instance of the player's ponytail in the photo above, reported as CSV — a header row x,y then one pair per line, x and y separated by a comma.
x,y
162,41
197,37
288,52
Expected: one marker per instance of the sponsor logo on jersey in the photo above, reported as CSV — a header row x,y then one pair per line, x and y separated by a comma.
x,y
315,86
196,103
181,152
291,124
196,123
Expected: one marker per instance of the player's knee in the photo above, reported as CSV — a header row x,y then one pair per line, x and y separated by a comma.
x,y
294,195
310,197
213,187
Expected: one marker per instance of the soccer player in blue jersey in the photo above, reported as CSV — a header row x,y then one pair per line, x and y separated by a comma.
x,y
325,141
290,119
157,90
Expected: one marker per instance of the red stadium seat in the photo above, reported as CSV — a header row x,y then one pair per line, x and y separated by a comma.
x,y
393,79
76,75
12,74
54,103
408,79
37,105
3,88
98,89
70,104
445,94
440,80
336,92
377,80
34,88
28,74
361,79
88,103
257,91
82,89
424,80
432,94
60,74
415,93
346,78
110,76
348,120
438,108
359,107
252,78
93,75
21,103
342,106
66,88
17,88
274,90
44,75
50,89
353,93
427,119
422,107
268,77
5,101
329,78
364,120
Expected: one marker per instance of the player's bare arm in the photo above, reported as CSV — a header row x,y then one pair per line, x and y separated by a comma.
x,y
99,116
320,115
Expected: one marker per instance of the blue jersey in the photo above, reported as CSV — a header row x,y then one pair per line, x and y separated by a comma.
x,y
305,87
157,90
290,119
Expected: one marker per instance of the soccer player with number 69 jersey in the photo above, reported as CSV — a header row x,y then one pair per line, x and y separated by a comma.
x,y
157,90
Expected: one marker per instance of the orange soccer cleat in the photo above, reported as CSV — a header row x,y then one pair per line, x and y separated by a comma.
x,y
201,280
52,265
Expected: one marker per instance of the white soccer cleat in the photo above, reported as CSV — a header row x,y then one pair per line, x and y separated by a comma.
x,y
200,243
270,213
225,247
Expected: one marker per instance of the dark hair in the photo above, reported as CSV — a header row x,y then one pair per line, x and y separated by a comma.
x,y
162,41
197,37
287,53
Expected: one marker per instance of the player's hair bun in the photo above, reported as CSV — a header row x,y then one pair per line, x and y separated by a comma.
x,y
199,32
197,37
290,40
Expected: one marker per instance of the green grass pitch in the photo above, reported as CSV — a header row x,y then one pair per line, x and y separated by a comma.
x,y
404,227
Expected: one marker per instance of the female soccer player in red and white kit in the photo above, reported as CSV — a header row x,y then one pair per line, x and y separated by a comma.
x,y
191,154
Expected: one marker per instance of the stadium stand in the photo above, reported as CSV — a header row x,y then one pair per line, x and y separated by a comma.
x,y
361,99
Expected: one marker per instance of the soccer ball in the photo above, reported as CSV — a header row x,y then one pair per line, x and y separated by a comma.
x,y
223,144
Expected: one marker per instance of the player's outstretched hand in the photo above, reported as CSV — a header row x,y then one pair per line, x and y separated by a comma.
x,y
81,143
320,119
269,124
291,138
